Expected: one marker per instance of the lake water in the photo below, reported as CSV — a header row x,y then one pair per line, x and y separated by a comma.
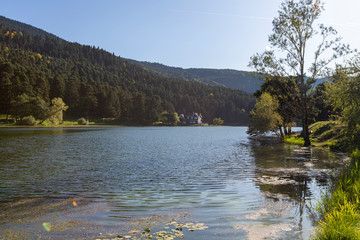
x,y
106,183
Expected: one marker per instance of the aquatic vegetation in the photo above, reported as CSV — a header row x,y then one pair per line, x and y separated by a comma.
x,y
170,231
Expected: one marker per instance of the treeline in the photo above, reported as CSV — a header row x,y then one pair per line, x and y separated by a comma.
x,y
241,80
97,84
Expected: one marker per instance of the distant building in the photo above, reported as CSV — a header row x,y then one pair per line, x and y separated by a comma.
x,y
190,118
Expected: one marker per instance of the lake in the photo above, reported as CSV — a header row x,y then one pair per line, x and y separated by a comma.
x,y
167,182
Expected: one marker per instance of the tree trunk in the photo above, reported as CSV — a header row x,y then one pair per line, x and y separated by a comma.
x,y
305,123
281,133
305,118
285,131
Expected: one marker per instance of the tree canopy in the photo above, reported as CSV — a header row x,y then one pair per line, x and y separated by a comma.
x,y
264,117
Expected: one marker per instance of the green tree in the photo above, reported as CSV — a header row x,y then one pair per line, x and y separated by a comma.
x,y
153,108
284,90
56,110
344,94
6,93
169,118
323,108
264,117
218,121
58,86
292,31
137,111
25,105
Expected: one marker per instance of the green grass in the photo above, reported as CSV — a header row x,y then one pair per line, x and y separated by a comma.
x,y
339,208
294,140
325,130
320,127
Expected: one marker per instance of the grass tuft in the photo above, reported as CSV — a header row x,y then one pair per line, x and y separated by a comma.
x,y
294,140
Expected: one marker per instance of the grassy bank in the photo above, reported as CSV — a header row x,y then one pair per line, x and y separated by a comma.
x,y
324,133
339,208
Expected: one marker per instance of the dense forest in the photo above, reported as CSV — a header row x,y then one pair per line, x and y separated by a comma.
x,y
36,68
241,80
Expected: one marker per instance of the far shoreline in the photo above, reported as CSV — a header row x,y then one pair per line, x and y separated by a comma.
x,y
107,126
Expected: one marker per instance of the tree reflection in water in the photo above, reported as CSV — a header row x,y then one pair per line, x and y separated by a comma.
x,y
292,174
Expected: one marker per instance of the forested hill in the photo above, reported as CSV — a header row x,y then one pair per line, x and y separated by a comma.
x,y
23,27
35,68
235,79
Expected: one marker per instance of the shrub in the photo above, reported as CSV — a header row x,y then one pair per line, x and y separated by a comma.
x,y
29,120
218,121
82,121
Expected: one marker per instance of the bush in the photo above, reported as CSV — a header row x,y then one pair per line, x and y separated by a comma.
x,y
29,120
218,121
82,121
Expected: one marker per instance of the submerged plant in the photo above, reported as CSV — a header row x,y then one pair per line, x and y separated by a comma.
x,y
171,231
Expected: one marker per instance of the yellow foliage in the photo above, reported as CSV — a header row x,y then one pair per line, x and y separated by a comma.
x,y
12,34
39,55
7,33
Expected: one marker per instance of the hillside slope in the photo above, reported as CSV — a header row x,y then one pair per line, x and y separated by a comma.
x,y
23,27
234,79
95,83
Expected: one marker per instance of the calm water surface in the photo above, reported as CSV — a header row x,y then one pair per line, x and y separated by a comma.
x,y
126,178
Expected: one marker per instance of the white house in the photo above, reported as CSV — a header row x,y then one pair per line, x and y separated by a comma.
x,y
190,118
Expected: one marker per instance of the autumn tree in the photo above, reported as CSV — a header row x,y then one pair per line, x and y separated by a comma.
x,y
288,59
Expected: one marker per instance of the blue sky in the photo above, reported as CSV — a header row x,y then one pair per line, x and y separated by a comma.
x,y
182,33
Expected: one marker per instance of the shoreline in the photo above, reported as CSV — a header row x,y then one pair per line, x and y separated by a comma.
x,y
108,125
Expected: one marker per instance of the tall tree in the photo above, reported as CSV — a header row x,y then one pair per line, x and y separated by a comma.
x,y
292,31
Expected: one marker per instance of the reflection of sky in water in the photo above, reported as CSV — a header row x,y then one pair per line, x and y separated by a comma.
x,y
209,172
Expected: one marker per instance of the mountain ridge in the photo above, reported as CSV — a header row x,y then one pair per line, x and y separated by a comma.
x,y
230,78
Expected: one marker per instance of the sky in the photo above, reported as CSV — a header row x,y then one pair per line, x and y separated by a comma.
x,y
220,34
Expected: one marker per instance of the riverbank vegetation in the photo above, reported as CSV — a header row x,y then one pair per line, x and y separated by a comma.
x,y
339,208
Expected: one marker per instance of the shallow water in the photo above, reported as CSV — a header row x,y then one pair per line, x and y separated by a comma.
x,y
131,178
